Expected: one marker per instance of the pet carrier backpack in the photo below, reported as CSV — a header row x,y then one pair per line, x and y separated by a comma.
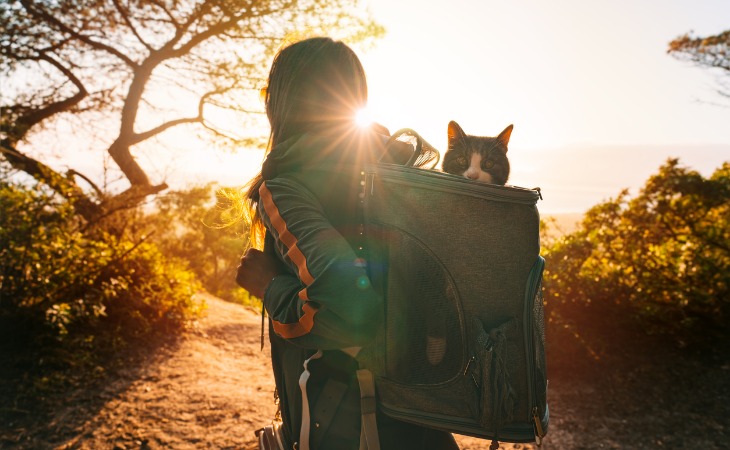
x,y
462,346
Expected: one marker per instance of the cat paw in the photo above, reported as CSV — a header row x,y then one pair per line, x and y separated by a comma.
x,y
435,349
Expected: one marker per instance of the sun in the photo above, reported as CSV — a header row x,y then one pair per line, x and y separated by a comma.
x,y
364,117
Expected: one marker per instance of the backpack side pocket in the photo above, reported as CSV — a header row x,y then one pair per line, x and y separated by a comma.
x,y
488,370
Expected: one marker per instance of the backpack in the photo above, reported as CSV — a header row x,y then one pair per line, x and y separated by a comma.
x,y
458,264
461,346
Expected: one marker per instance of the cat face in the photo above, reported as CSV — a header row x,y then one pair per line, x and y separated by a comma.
x,y
480,158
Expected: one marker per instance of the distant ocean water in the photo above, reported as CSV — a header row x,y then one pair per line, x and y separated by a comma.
x,y
574,179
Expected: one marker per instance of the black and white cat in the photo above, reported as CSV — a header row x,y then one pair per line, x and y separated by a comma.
x,y
479,158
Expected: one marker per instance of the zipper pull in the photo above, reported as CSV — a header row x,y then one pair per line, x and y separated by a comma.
x,y
539,433
468,363
466,369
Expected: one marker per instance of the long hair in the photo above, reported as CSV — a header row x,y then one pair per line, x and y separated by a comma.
x,y
317,82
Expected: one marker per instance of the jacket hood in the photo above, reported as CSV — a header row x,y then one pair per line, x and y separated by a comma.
x,y
324,150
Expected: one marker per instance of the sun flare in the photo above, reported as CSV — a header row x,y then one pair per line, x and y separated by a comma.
x,y
364,117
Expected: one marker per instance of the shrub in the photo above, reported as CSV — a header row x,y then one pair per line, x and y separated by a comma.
x,y
190,227
666,252
60,277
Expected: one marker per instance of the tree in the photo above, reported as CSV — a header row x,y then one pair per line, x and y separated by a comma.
x,y
711,51
664,253
145,67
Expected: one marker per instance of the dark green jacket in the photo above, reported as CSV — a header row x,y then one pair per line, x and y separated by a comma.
x,y
310,204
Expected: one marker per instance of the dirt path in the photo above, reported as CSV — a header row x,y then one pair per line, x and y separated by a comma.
x,y
612,386
209,390
212,387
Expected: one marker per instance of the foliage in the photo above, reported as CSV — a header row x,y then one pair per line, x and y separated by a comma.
x,y
666,252
188,227
62,281
710,52
141,68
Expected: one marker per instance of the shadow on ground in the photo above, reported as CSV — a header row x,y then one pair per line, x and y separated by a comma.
x,y
47,398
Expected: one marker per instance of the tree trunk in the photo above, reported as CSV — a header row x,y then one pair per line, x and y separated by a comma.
x,y
119,151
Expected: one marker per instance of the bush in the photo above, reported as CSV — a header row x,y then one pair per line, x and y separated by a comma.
x,y
62,278
189,226
666,252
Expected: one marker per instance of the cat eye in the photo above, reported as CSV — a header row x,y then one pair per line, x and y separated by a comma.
x,y
461,161
487,164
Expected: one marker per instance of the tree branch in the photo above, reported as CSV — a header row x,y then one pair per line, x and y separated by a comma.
x,y
45,16
60,184
129,198
214,30
72,173
39,115
139,137
125,16
167,12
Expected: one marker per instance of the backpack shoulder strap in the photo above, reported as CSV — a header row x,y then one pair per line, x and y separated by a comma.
x,y
304,431
326,407
369,439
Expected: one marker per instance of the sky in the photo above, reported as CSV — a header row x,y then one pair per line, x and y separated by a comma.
x,y
596,102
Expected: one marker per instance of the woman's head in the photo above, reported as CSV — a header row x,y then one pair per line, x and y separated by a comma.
x,y
311,83
314,83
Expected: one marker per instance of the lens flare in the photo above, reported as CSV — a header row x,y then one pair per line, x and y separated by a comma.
x,y
364,117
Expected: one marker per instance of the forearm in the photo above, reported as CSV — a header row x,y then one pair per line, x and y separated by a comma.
x,y
334,315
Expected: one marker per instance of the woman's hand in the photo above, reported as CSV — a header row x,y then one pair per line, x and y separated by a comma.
x,y
256,271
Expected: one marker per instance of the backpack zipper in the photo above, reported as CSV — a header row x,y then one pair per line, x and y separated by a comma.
x,y
532,283
538,427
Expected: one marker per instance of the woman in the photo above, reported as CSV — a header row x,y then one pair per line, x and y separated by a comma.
x,y
312,275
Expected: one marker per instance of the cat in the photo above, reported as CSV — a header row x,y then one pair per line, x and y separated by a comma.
x,y
480,158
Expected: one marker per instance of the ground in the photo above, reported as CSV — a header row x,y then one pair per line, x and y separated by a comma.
x,y
212,387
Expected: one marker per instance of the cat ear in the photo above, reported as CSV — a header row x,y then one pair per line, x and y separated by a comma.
x,y
455,133
504,137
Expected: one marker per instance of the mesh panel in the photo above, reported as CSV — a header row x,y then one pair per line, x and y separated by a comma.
x,y
538,322
423,331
